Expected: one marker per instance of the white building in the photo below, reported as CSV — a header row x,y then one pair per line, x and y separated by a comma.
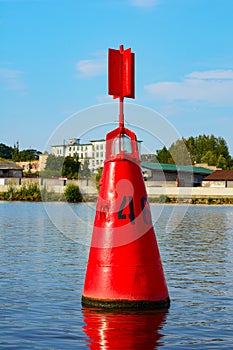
x,y
93,151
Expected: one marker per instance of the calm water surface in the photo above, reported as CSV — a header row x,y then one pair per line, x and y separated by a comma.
x,y
42,266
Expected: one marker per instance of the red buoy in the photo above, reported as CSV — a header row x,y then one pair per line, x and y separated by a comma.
x,y
124,268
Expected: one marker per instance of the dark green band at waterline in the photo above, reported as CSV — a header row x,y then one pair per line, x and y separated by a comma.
x,y
126,304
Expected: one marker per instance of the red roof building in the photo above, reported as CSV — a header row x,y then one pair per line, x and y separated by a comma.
x,y
219,178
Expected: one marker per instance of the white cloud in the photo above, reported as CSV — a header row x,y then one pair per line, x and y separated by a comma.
x,y
214,87
143,3
212,74
91,67
13,79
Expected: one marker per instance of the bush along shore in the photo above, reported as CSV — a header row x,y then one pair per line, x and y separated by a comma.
x,y
32,192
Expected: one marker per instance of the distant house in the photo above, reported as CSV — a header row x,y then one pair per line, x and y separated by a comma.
x,y
10,169
174,175
219,178
32,166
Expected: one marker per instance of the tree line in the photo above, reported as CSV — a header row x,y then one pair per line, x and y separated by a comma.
x,y
200,149
69,167
14,154
185,151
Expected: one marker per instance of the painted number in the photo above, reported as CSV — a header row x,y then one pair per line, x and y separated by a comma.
x,y
146,211
123,213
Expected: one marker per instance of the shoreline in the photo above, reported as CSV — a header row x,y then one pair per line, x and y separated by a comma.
x,y
162,199
73,192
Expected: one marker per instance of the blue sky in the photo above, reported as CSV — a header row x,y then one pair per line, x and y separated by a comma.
x,y
53,63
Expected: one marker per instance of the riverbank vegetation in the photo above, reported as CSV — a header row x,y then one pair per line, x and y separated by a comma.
x,y
193,200
32,192
26,192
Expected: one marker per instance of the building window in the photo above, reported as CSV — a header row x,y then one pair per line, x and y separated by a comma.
x,y
74,148
101,154
81,148
101,147
69,148
97,154
97,146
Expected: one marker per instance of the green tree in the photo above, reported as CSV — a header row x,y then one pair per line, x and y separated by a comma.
x,y
191,147
203,144
209,158
179,153
85,172
53,166
164,156
221,162
200,149
28,155
5,151
221,148
71,167
15,153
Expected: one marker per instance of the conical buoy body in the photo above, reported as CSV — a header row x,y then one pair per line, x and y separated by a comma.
x,y
124,267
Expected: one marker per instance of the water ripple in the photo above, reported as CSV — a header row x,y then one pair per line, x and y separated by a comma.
x,y
42,272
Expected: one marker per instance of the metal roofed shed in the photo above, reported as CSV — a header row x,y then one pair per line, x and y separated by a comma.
x,y
164,175
8,170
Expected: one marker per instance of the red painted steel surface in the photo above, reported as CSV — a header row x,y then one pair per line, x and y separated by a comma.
x,y
121,73
124,261
114,72
128,74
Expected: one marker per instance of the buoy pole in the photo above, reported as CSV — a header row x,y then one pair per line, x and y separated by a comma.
x,y
121,113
